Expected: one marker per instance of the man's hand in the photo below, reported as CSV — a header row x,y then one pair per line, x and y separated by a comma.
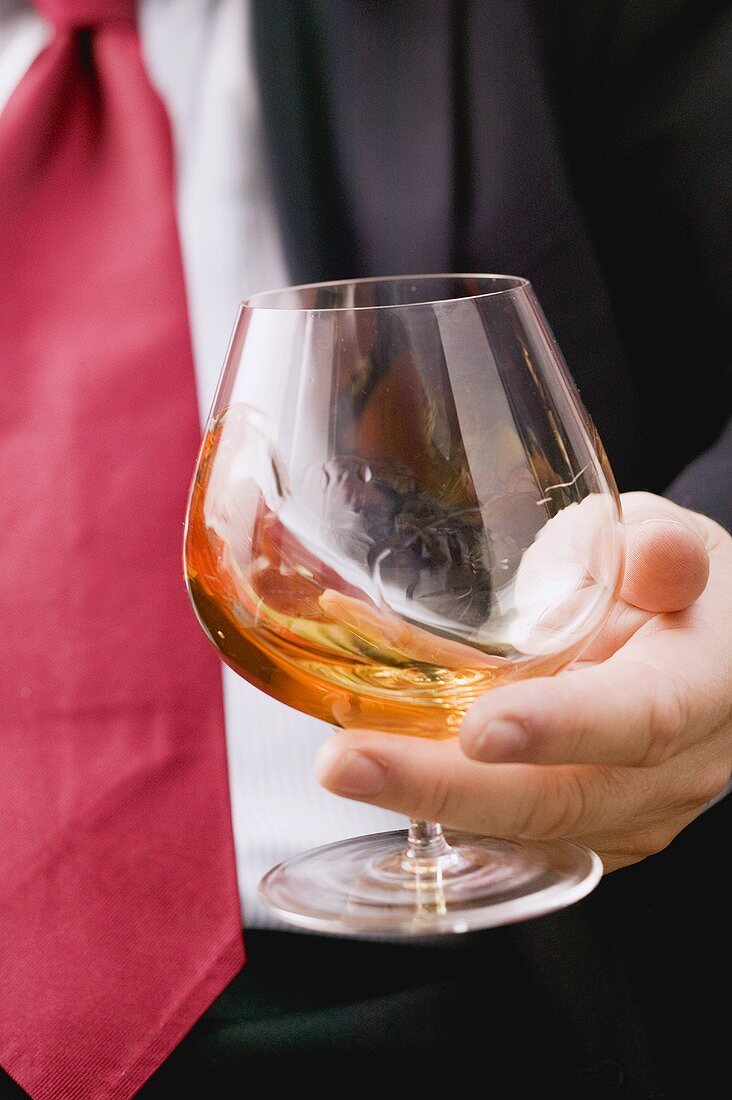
x,y
619,752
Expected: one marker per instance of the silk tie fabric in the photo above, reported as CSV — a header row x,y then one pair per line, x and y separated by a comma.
x,y
119,914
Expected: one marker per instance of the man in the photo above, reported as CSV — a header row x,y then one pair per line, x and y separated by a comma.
x,y
553,144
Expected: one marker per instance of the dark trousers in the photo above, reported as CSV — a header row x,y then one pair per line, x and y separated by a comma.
x,y
616,996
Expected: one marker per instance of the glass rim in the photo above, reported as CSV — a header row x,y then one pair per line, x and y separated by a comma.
x,y
517,283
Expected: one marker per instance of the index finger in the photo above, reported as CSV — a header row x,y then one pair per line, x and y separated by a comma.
x,y
630,710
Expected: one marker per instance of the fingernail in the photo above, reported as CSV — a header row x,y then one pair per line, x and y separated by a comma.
x,y
352,773
664,521
501,740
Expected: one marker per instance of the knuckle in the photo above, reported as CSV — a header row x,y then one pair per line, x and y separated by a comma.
x,y
433,799
559,808
668,717
720,779
649,843
703,787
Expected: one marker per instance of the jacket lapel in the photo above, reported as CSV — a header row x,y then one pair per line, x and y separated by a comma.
x,y
293,84
409,138
357,104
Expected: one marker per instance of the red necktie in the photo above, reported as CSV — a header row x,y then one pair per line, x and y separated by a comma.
x,y
119,917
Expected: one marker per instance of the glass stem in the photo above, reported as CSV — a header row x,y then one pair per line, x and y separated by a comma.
x,y
426,857
425,842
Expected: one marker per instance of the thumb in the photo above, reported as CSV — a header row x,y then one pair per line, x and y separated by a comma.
x,y
667,565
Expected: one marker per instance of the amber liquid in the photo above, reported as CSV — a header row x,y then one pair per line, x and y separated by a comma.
x,y
293,628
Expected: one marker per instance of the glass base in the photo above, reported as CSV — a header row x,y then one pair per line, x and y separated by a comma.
x,y
379,885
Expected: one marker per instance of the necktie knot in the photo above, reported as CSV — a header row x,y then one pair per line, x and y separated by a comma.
x,y
68,14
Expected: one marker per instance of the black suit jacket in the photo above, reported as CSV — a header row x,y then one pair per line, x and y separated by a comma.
x,y
584,145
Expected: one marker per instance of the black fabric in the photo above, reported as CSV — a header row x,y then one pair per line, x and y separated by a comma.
x,y
642,94
585,145
620,995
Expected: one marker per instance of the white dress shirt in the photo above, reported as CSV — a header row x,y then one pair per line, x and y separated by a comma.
x,y
197,55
